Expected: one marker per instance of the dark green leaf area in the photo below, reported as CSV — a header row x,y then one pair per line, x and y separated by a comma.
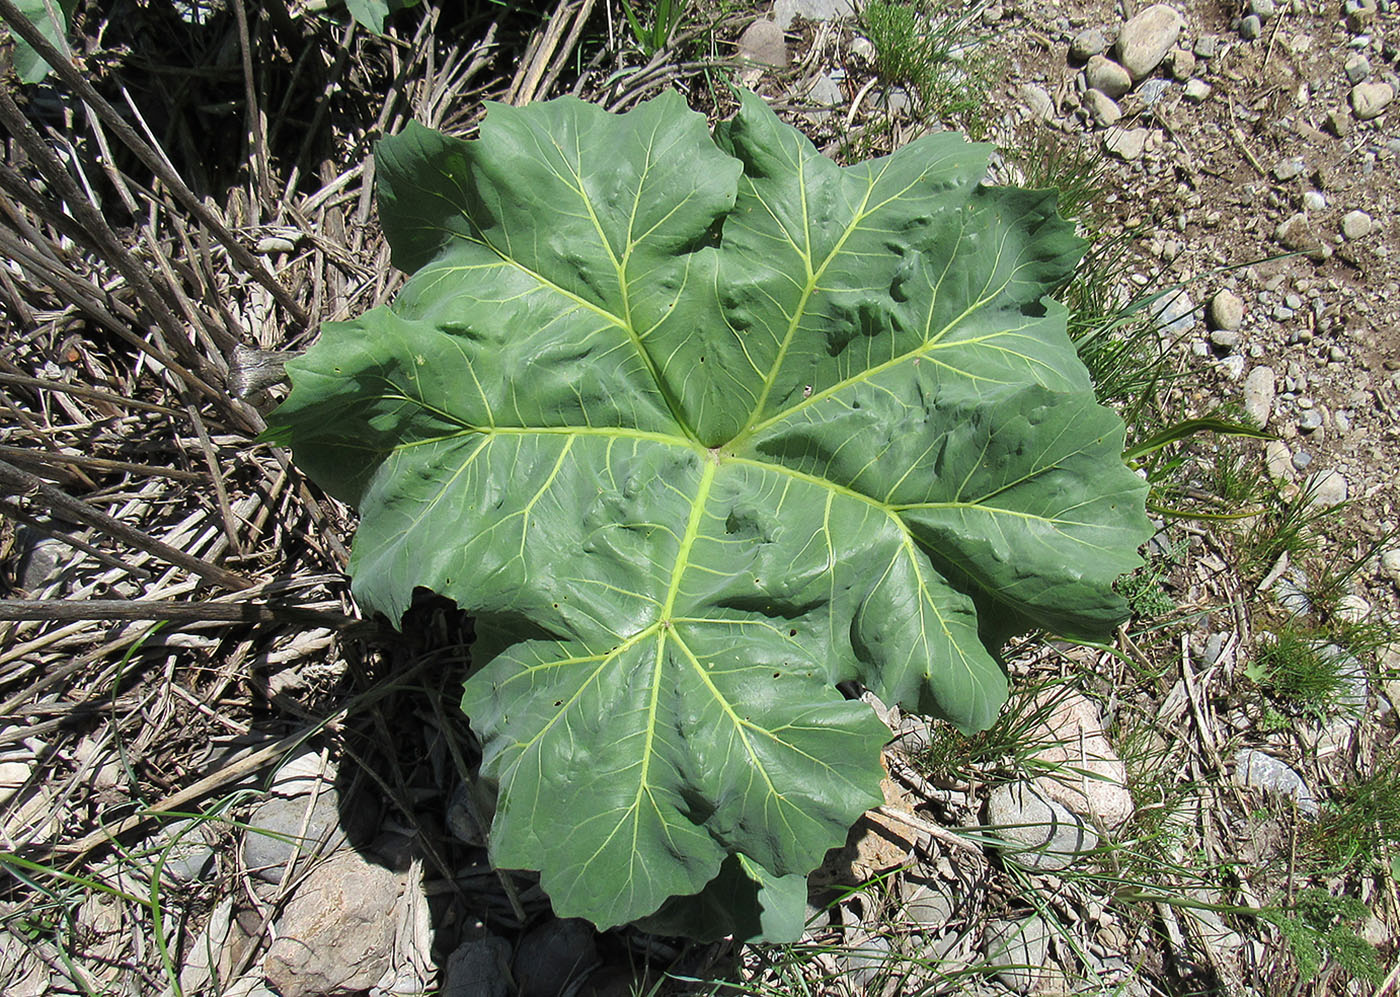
x,y
627,773
744,900
711,425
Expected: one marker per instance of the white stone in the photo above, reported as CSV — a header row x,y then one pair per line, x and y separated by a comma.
x,y
12,776
812,10
1278,462
1328,488
1197,90
1037,101
1147,38
1356,225
1126,143
1256,769
1226,310
1259,394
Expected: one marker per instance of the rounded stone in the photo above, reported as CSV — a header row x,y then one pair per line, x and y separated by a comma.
x,y
1107,77
1102,108
1087,44
1226,310
1356,225
1036,833
1147,38
1369,100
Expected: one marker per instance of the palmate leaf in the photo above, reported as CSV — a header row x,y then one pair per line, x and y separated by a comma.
x,y
700,427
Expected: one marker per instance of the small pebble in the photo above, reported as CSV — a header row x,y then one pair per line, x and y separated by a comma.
x,y
1356,225
1088,43
1314,201
1197,90
1250,27
1262,9
1357,67
1226,310
1287,169
1207,46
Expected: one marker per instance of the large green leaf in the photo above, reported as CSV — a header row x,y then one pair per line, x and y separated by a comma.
x,y
705,426
51,17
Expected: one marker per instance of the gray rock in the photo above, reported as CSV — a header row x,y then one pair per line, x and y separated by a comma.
x,y
1302,460
1297,234
190,858
1369,100
478,968
1087,44
763,43
1152,91
1287,169
1355,685
1225,311
1181,64
866,961
1256,769
1357,67
1224,341
462,819
1207,46
1310,421
1263,9
41,560
1147,38
1251,27
553,956
1390,564
927,904
1175,314
1102,108
273,828
1022,947
1259,394
1107,77
1197,90
336,934
1356,225
1037,100
812,10
1036,833
825,92
1313,200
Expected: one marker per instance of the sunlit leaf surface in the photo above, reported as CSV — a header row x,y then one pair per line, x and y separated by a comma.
x,y
700,427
